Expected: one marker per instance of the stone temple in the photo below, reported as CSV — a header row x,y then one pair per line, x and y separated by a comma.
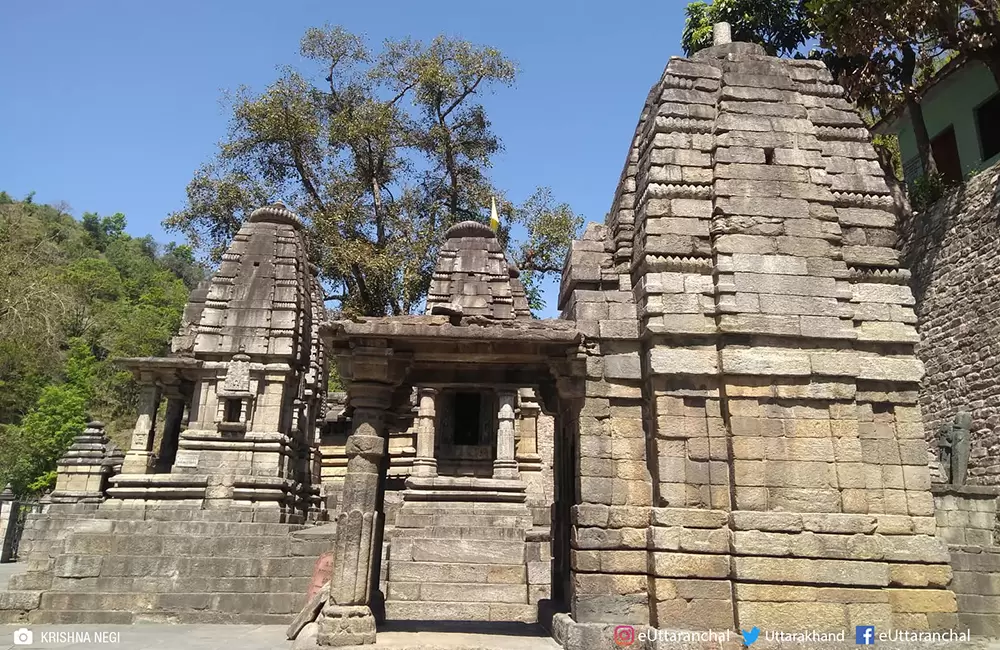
x,y
721,431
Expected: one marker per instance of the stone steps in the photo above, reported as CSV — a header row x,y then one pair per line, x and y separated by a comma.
x,y
199,528
188,514
207,570
410,518
160,526
459,562
73,566
458,611
403,571
48,535
184,545
462,532
187,584
32,580
101,617
463,551
458,592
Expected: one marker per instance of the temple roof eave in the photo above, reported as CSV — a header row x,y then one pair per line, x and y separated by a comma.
x,y
440,328
159,367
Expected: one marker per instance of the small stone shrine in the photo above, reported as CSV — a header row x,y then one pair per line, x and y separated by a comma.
x,y
248,375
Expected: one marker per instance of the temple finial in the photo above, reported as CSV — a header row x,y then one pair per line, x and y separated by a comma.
x,y
722,34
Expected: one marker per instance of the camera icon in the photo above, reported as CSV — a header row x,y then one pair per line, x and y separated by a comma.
x,y
24,636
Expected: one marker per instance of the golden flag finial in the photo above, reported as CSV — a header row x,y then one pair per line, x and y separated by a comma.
x,y
494,217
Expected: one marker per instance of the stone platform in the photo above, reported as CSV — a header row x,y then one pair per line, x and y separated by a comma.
x,y
199,566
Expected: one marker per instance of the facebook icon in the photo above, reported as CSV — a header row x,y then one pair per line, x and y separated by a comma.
x,y
864,635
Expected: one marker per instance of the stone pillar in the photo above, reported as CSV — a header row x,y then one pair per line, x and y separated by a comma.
x,y
172,424
347,618
8,512
505,466
425,464
138,459
527,442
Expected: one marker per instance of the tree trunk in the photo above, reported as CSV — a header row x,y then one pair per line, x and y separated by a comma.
x,y
916,112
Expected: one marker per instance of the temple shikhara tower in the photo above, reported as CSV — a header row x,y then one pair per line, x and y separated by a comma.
x,y
250,374
750,445
721,431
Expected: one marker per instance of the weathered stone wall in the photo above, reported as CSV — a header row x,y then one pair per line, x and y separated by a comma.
x,y
967,520
953,251
775,457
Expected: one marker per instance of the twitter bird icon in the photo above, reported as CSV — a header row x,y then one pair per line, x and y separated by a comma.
x,y
749,636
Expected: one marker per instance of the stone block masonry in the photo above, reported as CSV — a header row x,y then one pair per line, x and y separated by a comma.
x,y
754,453
168,565
953,250
967,520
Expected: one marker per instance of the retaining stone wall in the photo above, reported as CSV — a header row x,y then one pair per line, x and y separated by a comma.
x,y
953,251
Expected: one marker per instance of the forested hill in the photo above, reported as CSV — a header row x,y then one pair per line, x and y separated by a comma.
x,y
73,296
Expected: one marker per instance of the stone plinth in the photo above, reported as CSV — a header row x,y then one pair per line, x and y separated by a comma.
x,y
967,520
464,488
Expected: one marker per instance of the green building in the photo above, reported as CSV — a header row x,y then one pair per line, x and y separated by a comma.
x,y
962,112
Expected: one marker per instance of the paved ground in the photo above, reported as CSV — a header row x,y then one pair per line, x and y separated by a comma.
x,y
252,637
153,637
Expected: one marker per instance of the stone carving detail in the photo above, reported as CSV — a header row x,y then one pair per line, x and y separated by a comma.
x,y
238,374
953,445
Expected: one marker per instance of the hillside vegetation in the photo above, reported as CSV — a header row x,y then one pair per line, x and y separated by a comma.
x,y
74,295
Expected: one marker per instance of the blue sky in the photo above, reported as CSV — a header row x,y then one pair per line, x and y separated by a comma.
x,y
111,106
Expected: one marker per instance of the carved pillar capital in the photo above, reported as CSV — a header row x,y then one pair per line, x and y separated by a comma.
x,y
370,396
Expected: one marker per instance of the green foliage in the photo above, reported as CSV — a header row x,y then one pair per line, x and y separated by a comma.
x,y
878,53
28,452
927,190
73,296
780,26
81,368
380,152
104,230
887,147
966,27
